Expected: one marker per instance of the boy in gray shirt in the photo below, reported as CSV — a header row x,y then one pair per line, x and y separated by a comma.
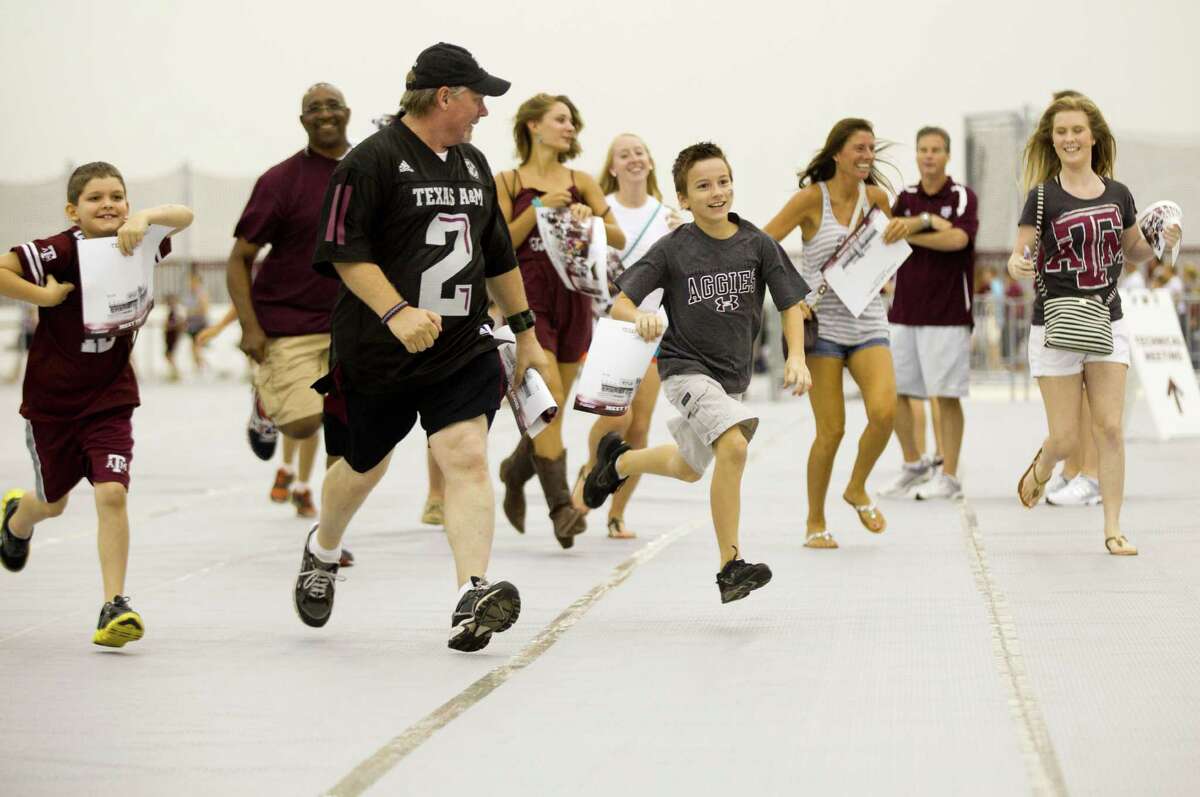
x,y
714,274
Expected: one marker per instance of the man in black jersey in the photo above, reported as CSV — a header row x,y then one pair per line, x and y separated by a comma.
x,y
411,226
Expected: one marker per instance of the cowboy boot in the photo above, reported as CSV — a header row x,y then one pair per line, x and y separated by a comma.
x,y
515,470
567,520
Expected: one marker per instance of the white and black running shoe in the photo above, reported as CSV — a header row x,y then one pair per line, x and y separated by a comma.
x,y
261,431
738,578
483,610
313,596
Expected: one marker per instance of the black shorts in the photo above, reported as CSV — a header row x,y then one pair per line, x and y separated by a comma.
x,y
337,433
376,423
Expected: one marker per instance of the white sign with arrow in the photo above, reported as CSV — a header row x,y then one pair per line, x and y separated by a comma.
x,y
1162,362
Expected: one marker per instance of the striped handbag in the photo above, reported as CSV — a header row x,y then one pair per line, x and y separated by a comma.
x,y
1073,323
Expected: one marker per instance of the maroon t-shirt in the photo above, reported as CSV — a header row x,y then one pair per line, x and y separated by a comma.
x,y
935,288
284,211
69,377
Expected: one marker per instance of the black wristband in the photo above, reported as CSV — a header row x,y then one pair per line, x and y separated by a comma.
x,y
392,311
519,322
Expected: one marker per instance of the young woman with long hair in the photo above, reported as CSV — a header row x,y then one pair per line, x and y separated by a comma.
x,y
546,130
1088,230
630,184
839,186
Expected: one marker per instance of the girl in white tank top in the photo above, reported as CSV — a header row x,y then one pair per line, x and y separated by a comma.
x,y
844,170
629,180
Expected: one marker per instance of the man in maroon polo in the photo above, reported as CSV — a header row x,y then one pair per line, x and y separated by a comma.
x,y
285,310
931,316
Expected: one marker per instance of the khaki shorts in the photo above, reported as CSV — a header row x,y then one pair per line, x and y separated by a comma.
x,y
707,413
284,379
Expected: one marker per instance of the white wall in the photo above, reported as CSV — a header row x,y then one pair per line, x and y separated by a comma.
x,y
148,85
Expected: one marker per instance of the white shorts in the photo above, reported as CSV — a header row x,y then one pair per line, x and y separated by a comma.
x,y
932,360
1045,361
707,413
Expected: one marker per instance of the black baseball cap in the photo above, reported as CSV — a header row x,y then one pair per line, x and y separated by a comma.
x,y
450,65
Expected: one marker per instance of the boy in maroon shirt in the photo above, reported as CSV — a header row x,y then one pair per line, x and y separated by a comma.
x,y
79,392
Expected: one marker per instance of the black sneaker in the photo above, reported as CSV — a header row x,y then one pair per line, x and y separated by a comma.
x,y
483,610
314,587
603,481
118,624
261,431
14,551
739,578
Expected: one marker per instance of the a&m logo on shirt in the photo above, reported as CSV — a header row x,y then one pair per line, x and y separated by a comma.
x,y
471,168
722,289
118,463
48,253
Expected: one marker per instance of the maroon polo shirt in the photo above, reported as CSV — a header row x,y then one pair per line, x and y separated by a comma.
x,y
283,212
935,288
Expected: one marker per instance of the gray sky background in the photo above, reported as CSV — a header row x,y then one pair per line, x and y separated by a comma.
x,y
149,85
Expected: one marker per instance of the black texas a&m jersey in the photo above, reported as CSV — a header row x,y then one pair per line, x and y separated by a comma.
x,y
435,230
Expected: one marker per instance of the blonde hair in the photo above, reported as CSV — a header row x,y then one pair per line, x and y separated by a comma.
x,y
1041,161
419,102
608,182
532,110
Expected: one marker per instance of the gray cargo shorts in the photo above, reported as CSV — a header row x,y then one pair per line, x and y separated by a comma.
x,y
707,412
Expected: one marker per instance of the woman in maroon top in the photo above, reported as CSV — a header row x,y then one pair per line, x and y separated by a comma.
x,y
546,131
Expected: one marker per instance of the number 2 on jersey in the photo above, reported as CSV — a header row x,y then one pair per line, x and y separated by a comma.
x,y
435,277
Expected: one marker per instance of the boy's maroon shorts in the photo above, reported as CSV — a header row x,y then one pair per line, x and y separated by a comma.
x,y
98,448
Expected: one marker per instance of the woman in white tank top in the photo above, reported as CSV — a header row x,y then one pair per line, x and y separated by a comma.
x,y
631,185
836,189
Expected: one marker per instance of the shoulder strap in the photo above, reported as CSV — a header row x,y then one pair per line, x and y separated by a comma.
x,y
638,240
862,207
1037,241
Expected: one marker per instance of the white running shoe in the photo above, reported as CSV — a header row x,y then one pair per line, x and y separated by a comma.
x,y
1080,491
911,475
1056,483
940,486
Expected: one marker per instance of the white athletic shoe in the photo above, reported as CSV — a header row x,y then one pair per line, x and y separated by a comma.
x,y
911,476
940,486
1080,491
1056,483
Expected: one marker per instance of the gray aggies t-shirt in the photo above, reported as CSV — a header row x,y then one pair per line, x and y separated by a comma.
x,y
713,292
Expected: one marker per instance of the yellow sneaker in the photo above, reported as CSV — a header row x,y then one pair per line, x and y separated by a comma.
x,y
119,624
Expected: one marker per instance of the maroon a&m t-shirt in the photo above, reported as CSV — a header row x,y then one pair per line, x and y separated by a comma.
x,y
283,212
935,288
69,377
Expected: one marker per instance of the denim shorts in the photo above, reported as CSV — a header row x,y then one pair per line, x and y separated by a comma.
x,y
827,348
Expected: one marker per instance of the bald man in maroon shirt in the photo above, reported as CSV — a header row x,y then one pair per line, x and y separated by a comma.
x,y
285,311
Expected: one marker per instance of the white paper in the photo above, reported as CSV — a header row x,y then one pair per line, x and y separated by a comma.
x,y
532,403
1154,220
117,290
863,263
578,252
616,362
1160,359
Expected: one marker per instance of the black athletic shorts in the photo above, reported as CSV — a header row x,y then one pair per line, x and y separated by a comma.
x,y
333,420
376,423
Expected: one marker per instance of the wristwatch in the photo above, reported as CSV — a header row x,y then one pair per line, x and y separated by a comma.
x,y
926,221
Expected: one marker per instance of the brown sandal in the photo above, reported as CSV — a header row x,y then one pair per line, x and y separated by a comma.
x,y
1123,546
617,530
1039,486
